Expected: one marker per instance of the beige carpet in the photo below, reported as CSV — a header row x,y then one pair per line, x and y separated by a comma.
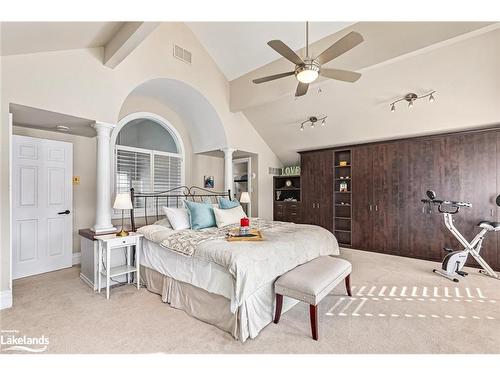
x,y
398,306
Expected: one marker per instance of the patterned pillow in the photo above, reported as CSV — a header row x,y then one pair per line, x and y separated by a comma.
x,y
225,203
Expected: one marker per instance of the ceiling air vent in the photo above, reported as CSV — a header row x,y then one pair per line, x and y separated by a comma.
x,y
182,54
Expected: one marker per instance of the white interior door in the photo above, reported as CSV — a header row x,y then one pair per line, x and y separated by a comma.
x,y
42,205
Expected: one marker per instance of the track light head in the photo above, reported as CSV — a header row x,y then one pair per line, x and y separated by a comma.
x,y
323,122
393,107
431,98
302,127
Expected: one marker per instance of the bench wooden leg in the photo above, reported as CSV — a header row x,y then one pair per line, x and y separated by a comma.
x,y
279,305
313,313
348,285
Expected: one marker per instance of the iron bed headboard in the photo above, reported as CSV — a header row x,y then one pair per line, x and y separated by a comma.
x,y
176,195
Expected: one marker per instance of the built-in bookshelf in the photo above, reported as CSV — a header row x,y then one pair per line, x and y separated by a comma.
x,y
342,211
286,195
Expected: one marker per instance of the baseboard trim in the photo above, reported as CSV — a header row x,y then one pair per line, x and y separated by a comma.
x,y
76,258
5,299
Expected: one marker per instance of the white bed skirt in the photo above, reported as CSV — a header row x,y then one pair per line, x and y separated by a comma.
x,y
250,318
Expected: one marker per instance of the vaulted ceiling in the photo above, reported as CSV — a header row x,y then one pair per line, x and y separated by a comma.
x,y
240,47
30,37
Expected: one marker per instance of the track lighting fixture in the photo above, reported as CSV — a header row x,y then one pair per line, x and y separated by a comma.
x,y
313,120
411,98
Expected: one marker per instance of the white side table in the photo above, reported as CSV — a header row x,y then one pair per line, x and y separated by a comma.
x,y
108,242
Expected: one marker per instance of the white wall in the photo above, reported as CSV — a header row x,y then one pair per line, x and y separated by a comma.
x,y
75,82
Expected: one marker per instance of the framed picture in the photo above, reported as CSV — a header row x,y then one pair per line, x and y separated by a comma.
x,y
208,182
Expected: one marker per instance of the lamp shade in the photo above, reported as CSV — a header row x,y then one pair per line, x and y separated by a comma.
x,y
245,197
123,202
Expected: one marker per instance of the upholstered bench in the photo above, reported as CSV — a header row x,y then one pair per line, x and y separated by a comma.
x,y
310,283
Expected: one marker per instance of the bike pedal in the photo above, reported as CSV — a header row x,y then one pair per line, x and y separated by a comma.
x,y
462,273
447,249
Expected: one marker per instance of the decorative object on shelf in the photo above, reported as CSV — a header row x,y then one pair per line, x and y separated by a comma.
x,y
291,171
313,120
308,69
208,182
122,202
290,200
342,163
278,194
345,177
288,183
343,187
411,98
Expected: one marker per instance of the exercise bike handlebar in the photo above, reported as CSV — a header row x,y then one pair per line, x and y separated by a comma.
x,y
444,204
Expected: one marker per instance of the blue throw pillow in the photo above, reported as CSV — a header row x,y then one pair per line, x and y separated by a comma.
x,y
225,203
201,215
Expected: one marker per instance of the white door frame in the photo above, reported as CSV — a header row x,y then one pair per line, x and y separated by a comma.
x,y
247,160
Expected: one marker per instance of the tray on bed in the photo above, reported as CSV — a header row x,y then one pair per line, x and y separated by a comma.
x,y
254,235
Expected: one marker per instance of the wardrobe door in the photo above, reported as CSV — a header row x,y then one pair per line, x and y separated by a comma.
x,y
362,198
420,232
386,176
324,174
308,165
478,182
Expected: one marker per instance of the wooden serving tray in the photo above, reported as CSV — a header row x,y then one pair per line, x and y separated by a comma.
x,y
233,236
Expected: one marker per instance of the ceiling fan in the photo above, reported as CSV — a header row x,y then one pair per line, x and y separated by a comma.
x,y
308,69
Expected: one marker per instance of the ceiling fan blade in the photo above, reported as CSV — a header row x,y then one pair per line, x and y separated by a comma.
x,y
285,51
273,77
341,46
301,89
341,75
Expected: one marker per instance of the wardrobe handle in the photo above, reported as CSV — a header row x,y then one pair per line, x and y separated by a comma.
x,y
371,208
376,207
491,211
317,205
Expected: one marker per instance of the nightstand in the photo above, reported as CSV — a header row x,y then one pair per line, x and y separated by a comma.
x,y
106,244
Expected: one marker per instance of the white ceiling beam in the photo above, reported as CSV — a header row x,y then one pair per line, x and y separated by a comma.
x,y
127,39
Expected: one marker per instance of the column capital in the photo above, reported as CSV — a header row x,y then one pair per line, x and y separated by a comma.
x,y
103,128
228,151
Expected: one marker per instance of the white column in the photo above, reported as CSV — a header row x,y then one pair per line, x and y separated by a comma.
x,y
228,168
103,204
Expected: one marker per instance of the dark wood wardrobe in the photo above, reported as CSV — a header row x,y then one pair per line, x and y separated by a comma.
x,y
387,180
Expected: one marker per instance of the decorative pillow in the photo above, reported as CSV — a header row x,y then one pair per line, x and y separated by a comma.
x,y
201,215
164,222
178,217
228,216
225,203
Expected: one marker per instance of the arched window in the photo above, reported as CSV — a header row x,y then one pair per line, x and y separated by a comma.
x,y
148,155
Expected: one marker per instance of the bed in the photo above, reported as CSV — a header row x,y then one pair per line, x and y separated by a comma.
x,y
227,284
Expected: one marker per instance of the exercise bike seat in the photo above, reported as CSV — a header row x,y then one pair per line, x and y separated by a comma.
x,y
490,225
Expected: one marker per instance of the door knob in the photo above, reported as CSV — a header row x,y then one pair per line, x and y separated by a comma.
x,y
67,212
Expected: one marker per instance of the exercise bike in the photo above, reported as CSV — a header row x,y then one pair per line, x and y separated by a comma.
x,y
454,261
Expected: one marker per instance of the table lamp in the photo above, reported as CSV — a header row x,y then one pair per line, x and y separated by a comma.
x,y
122,202
245,198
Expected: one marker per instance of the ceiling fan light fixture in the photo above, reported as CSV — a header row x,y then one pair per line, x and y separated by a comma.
x,y
307,73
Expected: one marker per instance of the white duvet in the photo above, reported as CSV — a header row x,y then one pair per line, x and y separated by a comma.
x,y
254,264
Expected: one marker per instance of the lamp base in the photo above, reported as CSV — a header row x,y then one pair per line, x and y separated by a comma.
x,y
122,233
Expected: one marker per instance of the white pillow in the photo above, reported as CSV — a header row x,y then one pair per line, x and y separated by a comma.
x,y
178,217
164,222
228,216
